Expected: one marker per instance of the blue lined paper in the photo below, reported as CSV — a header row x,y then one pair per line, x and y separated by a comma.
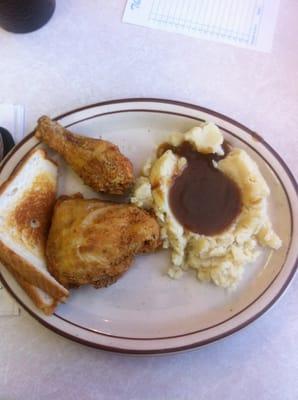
x,y
245,23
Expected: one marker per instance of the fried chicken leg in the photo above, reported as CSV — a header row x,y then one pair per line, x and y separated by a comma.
x,y
94,242
99,163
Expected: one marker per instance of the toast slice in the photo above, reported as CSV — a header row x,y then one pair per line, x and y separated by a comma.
x,y
26,204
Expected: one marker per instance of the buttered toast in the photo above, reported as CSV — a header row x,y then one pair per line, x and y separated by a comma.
x,y
27,198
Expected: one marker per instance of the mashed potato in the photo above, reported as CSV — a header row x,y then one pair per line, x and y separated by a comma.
x,y
220,258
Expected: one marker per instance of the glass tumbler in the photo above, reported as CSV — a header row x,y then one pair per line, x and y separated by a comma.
x,y
23,16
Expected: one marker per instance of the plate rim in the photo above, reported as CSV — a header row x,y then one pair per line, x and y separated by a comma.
x,y
180,348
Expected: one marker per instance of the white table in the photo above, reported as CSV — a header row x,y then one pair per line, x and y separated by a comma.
x,y
84,55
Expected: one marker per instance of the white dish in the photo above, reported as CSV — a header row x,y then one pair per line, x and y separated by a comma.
x,y
145,311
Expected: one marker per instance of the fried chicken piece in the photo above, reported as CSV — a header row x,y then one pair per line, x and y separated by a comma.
x,y
94,242
98,162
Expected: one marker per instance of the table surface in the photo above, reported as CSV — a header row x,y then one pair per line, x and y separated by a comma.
x,y
85,55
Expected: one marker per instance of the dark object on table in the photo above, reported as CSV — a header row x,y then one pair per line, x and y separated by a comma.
x,y
6,142
23,16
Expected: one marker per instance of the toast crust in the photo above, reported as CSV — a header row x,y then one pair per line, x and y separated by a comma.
x,y
48,309
17,265
34,294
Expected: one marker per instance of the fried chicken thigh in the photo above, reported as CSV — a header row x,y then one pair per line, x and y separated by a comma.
x,y
98,162
94,242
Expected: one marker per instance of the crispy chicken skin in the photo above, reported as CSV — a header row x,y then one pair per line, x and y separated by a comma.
x,y
98,162
94,242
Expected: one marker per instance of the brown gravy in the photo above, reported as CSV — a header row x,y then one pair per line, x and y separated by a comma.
x,y
202,198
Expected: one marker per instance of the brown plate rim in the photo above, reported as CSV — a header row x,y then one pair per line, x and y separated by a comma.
x,y
256,136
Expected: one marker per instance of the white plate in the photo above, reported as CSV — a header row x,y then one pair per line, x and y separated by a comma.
x,y
146,311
